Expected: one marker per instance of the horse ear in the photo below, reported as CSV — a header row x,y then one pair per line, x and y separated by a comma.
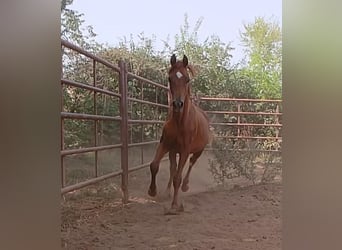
x,y
173,59
185,61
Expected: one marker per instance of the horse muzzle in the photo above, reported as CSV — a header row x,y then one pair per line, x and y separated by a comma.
x,y
178,105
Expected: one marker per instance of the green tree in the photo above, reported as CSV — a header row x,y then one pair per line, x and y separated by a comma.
x,y
143,60
211,58
263,45
216,74
77,68
72,27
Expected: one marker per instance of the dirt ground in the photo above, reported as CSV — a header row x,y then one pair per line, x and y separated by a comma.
x,y
234,217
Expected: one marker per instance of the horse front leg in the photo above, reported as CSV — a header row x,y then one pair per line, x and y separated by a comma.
x,y
173,168
154,167
193,159
177,179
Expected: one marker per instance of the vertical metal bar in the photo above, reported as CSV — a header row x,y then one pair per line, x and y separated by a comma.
x,y
277,120
238,119
124,130
142,125
277,116
155,126
62,142
95,121
131,127
169,99
62,130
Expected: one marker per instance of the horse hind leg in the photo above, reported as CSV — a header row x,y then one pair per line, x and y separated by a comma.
x,y
154,167
193,159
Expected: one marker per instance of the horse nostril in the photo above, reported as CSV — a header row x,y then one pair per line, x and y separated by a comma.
x,y
177,104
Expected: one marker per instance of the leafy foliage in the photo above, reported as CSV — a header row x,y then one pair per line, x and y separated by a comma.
x,y
262,42
211,58
231,161
72,29
241,157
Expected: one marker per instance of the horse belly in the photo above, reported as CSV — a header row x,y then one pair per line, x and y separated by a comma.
x,y
198,145
200,141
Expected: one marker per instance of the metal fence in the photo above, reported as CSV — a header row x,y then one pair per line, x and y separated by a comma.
x,y
123,118
223,112
237,119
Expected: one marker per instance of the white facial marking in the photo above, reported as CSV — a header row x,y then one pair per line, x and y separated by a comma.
x,y
179,74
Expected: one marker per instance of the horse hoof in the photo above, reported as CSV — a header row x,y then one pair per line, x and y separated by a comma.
x,y
168,193
181,208
174,210
152,192
185,188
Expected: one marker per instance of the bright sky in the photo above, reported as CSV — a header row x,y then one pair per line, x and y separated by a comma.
x,y
112,20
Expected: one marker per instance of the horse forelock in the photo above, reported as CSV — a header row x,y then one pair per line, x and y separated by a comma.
x,y
180,67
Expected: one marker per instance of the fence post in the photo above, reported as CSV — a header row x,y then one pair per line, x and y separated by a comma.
x,y
63,182
238,119
124,130
277,121
95,121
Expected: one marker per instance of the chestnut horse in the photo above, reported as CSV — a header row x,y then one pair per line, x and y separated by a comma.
x,y
185,132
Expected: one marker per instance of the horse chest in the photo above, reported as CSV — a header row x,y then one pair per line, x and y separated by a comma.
x,y
176,140
173,138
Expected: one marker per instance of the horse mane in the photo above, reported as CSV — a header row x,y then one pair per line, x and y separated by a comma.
x,y
192,70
